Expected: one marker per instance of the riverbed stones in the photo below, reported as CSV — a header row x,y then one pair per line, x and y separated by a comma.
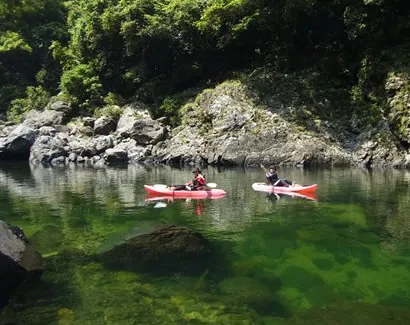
x,y
254,294
348,313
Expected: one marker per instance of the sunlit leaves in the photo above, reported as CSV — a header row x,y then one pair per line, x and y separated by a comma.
x,y
132,47
27,28
11,41
36,98
82,82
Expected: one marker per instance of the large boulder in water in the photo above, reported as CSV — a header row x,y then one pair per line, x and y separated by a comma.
x,y
18,260
115,156
46,148
18,143
169,249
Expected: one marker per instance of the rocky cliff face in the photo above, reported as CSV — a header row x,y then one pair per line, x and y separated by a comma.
x,y
227,125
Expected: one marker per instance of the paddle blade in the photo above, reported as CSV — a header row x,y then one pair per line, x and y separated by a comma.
x,y
160,205
163,186
160,186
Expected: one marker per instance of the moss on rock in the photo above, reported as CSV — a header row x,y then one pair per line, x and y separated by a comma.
x,y
348,313
253,293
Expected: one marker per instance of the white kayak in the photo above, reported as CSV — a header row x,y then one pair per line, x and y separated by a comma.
x,y
263,187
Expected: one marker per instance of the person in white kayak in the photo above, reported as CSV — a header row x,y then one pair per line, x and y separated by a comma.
x,y
273,179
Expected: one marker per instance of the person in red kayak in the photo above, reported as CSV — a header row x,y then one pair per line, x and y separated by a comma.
x,y
199,181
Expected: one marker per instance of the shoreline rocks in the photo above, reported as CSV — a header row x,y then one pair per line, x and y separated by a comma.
x,y
222,127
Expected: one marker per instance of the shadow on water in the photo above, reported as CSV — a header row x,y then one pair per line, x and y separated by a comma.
x,y
18,171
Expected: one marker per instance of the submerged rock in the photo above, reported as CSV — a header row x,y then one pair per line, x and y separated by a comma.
x,y
18,260
48,239
167,250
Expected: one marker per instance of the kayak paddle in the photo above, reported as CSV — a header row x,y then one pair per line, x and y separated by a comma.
x,y
160,205
163,186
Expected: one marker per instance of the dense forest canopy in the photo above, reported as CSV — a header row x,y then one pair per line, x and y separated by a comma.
x,y
102,52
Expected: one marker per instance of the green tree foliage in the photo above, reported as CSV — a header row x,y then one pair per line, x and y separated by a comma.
x,y
83,84
153,49
35,98
27,28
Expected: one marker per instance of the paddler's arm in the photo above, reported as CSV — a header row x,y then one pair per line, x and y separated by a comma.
x,y
263,167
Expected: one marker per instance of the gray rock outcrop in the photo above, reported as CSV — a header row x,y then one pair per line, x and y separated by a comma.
x,y
18,143
116,156
46,148
228,125
104,125
36,119
60,106
138,125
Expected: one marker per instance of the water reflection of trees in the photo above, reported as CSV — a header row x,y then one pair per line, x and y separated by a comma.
x,y
97,199
388,205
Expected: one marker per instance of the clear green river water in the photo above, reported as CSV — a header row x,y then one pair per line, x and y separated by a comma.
x,y
342,257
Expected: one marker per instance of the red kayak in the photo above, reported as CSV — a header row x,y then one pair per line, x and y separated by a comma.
x,y
263,187
170,199
159,189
